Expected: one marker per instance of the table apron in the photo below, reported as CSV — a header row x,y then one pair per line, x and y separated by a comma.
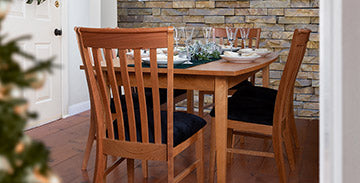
x,y
186,82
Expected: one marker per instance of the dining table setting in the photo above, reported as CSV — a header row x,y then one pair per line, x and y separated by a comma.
x,y
216,62
192,49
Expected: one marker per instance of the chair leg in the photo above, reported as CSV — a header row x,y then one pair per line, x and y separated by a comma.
x,y
289,149
130,170
100,166
199,148
201,103
171,170
279,158
230,144
252,79
212,152
89,143
144,165
293,130
190,101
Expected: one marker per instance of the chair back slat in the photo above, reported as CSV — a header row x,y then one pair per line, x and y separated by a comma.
x,y
85,53
128,95
284,96
170,95
97,56
116,94
141,95
155,95
102,77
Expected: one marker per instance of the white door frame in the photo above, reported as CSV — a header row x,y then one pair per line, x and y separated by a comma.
x,y
331,76
64,59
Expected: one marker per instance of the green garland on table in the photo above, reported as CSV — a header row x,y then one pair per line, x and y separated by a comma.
x,y
204,52
22,160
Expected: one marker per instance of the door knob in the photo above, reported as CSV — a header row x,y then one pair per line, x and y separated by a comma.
x,y
58,32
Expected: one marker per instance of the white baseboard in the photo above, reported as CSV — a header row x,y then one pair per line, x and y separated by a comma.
x,y
78,108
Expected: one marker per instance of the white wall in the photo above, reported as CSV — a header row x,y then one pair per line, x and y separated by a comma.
x,y
339,91
109,13
80,13
351,91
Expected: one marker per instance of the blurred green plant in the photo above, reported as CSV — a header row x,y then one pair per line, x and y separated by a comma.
x,y
21,159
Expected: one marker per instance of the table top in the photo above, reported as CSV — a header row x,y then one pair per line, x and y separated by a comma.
x,y
216,68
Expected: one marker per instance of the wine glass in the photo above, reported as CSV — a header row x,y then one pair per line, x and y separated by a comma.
x,y
244,35
207,34
187,33
231,33
177,37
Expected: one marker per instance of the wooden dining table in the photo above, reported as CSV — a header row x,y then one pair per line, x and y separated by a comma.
x,y
217,76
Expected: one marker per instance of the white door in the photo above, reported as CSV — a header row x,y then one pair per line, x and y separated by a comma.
x,y
39,21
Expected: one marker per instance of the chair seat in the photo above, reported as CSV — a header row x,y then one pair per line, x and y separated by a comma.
x,y
163,94
252,104
185,125
242,84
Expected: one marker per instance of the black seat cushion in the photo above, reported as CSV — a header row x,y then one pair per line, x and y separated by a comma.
x,y
252,104
163,94
185,125
242,84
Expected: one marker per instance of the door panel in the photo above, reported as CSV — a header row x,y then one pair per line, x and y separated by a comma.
x,y
39,21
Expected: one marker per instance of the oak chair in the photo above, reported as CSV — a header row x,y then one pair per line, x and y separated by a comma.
x,y
267,113
137,129
254,36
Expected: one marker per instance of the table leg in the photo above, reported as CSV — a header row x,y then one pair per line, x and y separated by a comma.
x,y
265,76
221,95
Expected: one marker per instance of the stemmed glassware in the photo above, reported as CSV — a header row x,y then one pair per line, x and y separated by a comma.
x,y
207,34
244,35
231,33
177,37
187,35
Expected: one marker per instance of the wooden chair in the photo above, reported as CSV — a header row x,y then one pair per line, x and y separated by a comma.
x,y
179,95
267,113
137,130
254,35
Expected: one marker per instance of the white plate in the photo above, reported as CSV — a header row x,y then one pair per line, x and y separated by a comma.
x,y
240,59
163,61
261,51
228,48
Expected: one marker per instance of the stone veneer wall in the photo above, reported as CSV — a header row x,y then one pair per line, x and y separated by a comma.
x,y
276,18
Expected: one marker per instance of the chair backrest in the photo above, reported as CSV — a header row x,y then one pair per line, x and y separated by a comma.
x,y
284,96
96,47
254,34
254,37
219,33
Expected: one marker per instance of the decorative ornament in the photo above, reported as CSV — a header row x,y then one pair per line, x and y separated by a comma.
x,y
21,109
4,7
38,79
38,1
19,148
5,165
